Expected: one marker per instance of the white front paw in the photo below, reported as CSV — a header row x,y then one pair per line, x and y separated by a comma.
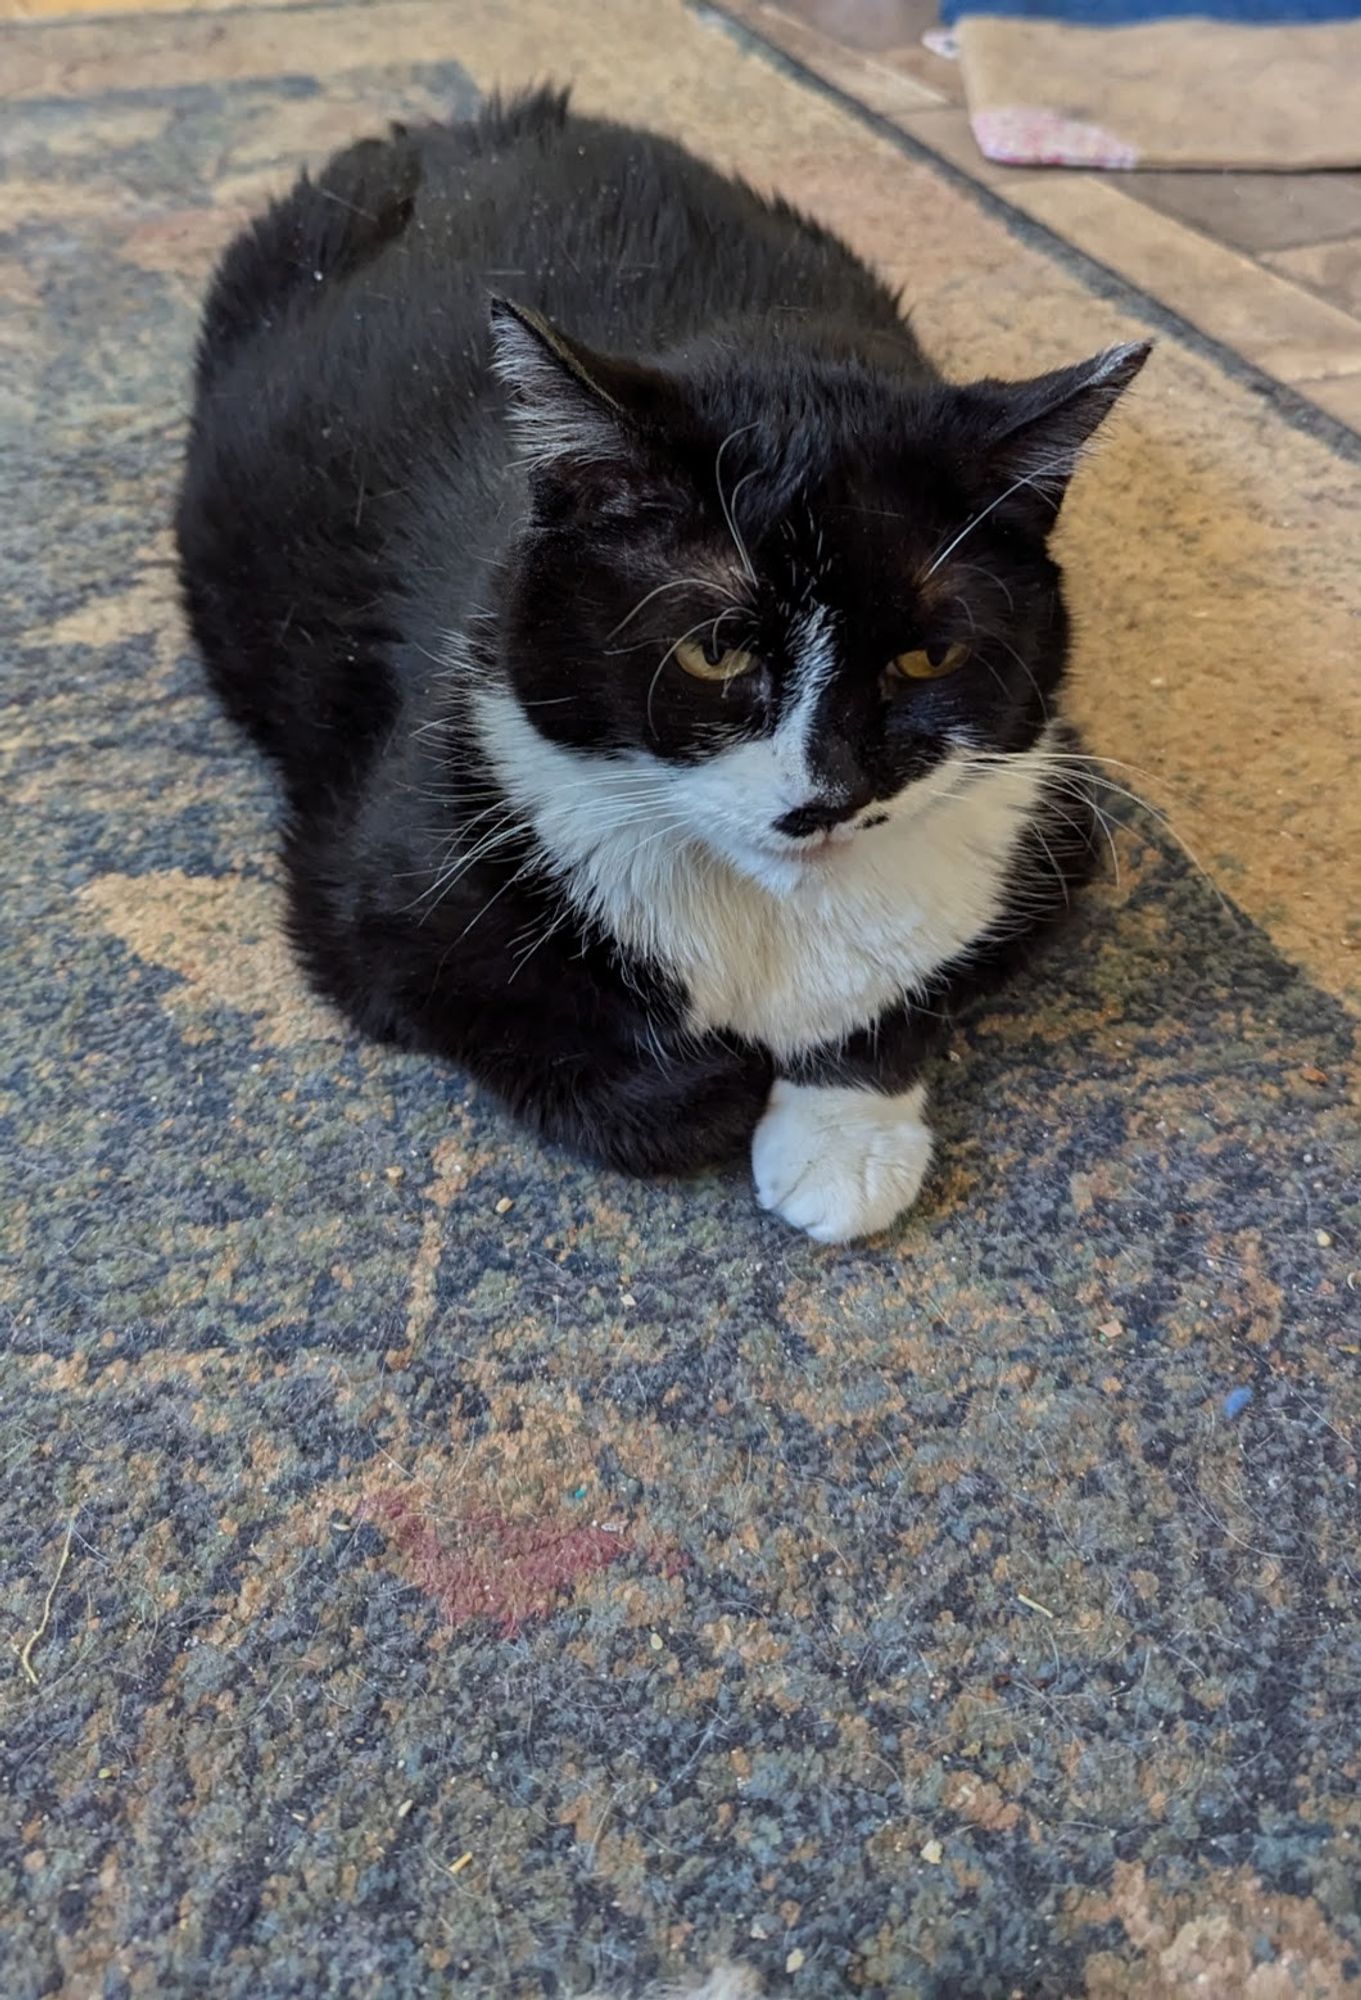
x,y
840,1163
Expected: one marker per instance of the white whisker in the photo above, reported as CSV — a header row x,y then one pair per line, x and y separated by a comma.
x,y
1026,479
977,569
669,654
675,583
723,502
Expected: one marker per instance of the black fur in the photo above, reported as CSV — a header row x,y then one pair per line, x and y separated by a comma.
x,y
356,492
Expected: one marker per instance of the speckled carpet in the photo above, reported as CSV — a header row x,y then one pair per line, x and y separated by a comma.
x,y
432,1567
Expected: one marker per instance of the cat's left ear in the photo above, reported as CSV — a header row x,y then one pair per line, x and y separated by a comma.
x,y
1043,426
571,407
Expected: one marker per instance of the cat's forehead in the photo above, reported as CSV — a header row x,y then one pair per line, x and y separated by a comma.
x,y
845,512
824,551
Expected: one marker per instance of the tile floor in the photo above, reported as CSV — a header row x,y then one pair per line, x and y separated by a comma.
x,y
1269,264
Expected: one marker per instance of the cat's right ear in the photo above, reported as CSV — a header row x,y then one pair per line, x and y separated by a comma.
x,y
570,406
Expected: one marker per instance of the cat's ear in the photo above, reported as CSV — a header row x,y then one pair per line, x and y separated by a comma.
x,y
570,406
1040,428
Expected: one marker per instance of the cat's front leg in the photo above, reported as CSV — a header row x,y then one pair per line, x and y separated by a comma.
x,y
843,1146
840,1162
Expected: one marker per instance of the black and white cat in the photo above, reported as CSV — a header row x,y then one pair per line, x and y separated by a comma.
x,y
661,668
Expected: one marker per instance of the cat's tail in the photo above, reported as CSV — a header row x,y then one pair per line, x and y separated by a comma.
x,y
321,230
330,227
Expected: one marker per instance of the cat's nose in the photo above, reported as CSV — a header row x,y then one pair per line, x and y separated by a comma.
x,y
819,816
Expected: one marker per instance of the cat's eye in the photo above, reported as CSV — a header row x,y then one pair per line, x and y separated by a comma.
x,y
712,663
930,663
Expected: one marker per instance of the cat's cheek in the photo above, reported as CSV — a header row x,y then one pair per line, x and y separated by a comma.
x,y
840,1163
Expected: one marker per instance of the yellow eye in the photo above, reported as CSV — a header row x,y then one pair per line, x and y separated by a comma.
x,y
728,666
930,663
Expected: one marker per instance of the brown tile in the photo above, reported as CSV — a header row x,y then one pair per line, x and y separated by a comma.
x,y
1277,324
1331,268
1340,396
1257,212
946,130
941,75
871,25
899,78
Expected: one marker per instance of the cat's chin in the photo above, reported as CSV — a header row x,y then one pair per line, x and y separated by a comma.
x,y
786,867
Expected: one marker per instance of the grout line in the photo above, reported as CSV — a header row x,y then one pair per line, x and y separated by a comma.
x,y
1253,256
1104,280
1257,258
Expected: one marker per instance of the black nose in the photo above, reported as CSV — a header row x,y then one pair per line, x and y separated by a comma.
x,y
815,817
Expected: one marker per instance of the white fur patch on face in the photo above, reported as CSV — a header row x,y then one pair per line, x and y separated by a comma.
x,y
815,664
737,797
791,946
837,1163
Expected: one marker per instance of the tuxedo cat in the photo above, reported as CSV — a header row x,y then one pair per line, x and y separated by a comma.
x,y
659,658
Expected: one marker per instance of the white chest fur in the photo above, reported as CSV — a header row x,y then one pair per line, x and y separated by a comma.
x,y
865,925
791,954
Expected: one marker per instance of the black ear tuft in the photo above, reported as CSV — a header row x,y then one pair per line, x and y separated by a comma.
x,y
1042,427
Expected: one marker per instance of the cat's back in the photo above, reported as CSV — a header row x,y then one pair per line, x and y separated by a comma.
x,y
370,285
619,235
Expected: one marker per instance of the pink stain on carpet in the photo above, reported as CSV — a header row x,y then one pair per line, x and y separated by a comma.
x,y
1020,135
485,1567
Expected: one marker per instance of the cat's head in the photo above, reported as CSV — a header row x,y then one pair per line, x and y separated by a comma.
x,y
788,583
